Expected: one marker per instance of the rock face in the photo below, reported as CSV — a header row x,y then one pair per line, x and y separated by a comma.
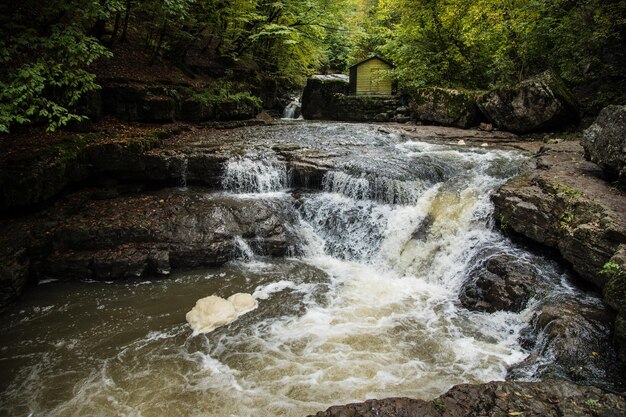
x,y
318,101
495,399
536,104
605,143
138,103
446,107
148,234
503,283
90,236
564,205
72,160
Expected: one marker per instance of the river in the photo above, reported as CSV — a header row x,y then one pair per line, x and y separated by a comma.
x,y
366,306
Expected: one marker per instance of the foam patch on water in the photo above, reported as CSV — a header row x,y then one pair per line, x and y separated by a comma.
x,y
212,312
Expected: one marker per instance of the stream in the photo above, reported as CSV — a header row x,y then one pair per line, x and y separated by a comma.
x,y
366,305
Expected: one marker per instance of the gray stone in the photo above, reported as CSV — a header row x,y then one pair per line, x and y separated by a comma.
x,y
570,340
536,104
502,283
605,143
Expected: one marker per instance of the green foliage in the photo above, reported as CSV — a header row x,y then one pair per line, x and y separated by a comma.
x,y
44,53
612,269
226,91
480,44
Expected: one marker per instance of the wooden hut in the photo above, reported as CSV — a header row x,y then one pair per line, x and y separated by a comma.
x,y
367,77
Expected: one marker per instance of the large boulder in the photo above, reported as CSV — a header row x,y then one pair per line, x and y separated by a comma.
x,y
536,104
445,107
605,142
502,283
318,97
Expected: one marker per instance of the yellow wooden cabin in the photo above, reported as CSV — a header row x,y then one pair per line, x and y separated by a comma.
x,y
368,77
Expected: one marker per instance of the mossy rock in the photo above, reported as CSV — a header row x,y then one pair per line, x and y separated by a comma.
x,y
319,96
446,107
615,289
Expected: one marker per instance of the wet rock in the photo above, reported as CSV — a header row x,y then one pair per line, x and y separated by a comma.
x,y
446,107
495,399
14,274
563,204
318,97
605,143
572,341
536,104
150,234
24,184
502,283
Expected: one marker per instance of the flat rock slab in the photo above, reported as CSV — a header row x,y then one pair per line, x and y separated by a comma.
x,y
495,399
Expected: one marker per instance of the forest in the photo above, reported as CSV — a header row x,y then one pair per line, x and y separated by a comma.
x,y
49,51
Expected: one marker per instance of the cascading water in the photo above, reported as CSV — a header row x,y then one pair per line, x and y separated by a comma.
x,y
369,309
292,110
258,174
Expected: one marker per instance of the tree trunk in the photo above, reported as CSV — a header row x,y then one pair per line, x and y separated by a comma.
x,y
126,17
159,43
116,29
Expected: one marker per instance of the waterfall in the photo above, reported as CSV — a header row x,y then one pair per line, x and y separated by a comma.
x,y
292,110
255,174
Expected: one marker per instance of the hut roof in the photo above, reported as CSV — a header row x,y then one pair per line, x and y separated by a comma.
x,y
373,57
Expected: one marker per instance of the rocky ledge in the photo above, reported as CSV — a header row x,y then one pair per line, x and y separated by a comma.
x,y
564,203
495,399
90,235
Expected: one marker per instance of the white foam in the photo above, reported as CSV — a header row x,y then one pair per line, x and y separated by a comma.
x,y
212,312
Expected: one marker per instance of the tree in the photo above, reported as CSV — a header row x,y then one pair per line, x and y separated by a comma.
x,y
44,53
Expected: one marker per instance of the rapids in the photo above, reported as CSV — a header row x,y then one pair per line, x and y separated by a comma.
x,y
367,306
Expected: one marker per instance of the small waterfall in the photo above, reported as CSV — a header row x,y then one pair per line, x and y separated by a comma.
x,y
292,110
243,251
377,188
261,174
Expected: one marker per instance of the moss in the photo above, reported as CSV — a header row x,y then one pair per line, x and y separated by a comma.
x,y
615,289
439,404
159,134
